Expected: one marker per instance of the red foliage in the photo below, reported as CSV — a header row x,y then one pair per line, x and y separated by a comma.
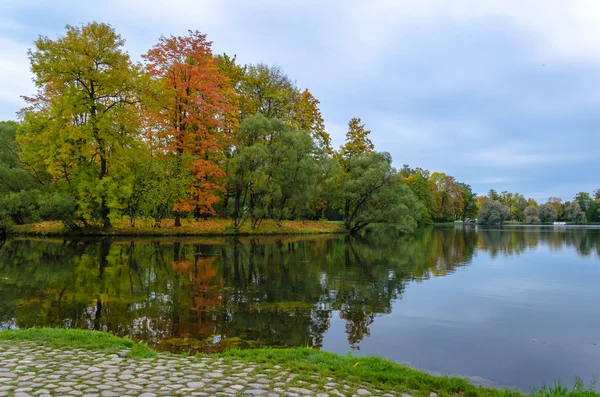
x,y
190,114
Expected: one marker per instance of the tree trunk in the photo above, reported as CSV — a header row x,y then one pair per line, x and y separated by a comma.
x,y
177,219
105,211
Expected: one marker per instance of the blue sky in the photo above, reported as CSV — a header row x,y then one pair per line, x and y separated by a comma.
x,y
500,94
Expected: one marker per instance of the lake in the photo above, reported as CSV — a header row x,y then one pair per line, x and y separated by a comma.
x,y
514,307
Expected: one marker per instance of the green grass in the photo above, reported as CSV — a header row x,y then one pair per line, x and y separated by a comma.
x,y
386,374
560,390
379,372
306,362
76,338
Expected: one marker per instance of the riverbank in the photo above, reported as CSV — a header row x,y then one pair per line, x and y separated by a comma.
x,y
189,227
87,363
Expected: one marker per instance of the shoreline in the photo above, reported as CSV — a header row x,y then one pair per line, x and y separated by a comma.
x,y
106,365
215,227
316,372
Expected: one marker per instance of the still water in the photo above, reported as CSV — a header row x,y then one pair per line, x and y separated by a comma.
x,y
515,307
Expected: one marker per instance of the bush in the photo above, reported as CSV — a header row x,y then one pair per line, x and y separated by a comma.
x,y
21,207
57,207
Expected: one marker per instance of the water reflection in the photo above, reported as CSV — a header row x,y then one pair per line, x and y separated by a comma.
x,y
200,294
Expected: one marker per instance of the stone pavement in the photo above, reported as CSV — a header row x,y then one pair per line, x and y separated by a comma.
x,y
30,369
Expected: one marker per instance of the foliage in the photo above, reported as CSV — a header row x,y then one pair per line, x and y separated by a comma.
x,y
493,212
532,214
588,205
422,191
559,211
574,213
367,190
188,117
81,122
357,141
547,213
187,134
14,175
272,173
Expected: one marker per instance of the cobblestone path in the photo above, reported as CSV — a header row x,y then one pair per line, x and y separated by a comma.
x,y
30,369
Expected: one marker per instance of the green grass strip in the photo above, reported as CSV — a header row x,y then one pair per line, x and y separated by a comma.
x,y
77,338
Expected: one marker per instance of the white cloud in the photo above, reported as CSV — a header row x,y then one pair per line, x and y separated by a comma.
x,y
15,78
563,29
518,154
494,180
416,133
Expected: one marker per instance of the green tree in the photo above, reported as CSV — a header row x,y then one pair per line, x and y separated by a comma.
x,y
469,201
267,90
368,191
273,172
493,212
557,204
357,141
493,195
588,205
82,121
574,212
547,212
531,214
447,197
14,175
421,189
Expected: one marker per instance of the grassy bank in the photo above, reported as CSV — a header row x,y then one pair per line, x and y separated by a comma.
x,y
189,227
376,371
77,338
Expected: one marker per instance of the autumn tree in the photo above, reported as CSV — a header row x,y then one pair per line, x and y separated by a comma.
x,y
269,91
188,116
357,141
83,118
307,117
447,197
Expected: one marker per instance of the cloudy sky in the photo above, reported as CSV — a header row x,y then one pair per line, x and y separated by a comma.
x,y
501,94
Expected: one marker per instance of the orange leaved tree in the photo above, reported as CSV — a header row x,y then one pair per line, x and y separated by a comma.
x,y
188,116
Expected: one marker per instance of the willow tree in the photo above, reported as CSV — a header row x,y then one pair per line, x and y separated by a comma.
x,y
188,117
367,190
83,119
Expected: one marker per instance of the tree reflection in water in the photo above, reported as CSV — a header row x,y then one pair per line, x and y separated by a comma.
x,y
208,294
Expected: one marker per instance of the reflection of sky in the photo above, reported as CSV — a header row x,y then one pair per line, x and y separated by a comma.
x,y
520,320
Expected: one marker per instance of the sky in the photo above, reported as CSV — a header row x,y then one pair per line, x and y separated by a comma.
x,y
501,94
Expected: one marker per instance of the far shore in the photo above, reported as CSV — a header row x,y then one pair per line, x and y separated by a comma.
x,y
210,227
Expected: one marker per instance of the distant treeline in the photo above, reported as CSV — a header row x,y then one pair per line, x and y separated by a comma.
x,y
584,208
